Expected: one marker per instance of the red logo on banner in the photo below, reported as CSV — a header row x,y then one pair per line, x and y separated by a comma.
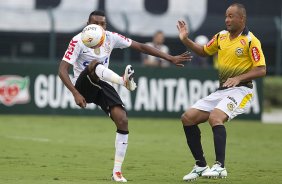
x,y
14,90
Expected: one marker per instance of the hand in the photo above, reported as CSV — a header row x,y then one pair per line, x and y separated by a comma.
x,y
231,82
183,30
177,60
79,100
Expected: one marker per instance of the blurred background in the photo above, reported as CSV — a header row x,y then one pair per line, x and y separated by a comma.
x,y
35,34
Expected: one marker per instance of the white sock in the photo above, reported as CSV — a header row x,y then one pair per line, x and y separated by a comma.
x,y
121,146
107,74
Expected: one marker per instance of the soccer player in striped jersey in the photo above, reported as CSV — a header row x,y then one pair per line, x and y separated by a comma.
x,y
92,80
240,60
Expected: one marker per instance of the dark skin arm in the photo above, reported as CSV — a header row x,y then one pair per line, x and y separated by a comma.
x,y
254,73
177,60
64,75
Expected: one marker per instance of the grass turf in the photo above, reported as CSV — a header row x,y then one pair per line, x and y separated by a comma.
x,y
80,150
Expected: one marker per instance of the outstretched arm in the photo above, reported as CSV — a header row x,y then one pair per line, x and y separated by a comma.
x,y
183,35
146,49
64,75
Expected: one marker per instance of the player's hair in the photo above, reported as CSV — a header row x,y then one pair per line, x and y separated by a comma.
x,y
96,12
241,7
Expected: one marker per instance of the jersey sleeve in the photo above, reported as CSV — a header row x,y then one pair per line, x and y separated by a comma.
x,y
73,50
212,46
120,41
256,53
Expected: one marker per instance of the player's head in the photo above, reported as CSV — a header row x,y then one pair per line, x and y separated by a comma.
x,y
97,17
235,17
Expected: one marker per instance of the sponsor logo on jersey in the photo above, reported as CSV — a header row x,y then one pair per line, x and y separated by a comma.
x,y
255,54
239,51
210,42
14,90
70,49
243,42
232,99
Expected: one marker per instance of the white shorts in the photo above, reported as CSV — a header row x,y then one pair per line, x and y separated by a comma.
x,y
232,101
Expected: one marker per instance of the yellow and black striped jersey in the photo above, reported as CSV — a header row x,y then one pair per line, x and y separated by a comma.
x,y
236,56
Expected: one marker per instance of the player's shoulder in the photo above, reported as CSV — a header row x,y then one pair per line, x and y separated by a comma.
x,y
110,35
76,40
77,37
254,38
220,35
223,32
113,36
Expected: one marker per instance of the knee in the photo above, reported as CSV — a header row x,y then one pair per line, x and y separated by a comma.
x,y
186,119
92,65
214,119
91,70
122,123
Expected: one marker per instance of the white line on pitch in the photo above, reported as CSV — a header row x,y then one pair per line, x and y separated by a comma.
x,y
37,139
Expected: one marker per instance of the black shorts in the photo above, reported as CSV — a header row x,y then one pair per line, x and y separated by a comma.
x,y
100,93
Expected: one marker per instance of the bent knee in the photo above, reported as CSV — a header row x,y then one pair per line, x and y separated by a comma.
x,y
121,122
186,119
92,65
217,119
91,70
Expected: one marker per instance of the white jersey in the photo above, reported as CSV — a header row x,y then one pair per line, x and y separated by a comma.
x,y
80,56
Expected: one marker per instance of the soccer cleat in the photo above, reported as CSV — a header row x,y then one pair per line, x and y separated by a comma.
x,y
117,176
196,173
128,78
216,172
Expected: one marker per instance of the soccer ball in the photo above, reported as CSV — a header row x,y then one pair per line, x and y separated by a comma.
x,y
93,36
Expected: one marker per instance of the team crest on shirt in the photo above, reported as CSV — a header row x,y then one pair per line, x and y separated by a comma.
x,y
239,51
230,106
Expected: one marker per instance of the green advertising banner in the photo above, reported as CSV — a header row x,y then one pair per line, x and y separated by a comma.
x,y
161,92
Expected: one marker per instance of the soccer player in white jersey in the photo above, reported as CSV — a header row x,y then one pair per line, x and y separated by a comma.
x,y
90,69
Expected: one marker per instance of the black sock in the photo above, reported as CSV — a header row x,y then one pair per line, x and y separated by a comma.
x,y
219,137
193,137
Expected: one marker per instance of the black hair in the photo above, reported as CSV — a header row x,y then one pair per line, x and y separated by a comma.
x,y
96,12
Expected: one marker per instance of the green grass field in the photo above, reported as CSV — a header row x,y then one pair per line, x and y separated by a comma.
x,y
80,150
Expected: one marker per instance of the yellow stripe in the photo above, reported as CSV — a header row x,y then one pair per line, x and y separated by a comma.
x,y
245,100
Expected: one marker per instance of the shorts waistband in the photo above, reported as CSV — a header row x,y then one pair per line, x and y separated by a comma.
x,y
248,84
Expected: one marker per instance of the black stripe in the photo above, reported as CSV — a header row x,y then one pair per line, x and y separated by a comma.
x,y
122,132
